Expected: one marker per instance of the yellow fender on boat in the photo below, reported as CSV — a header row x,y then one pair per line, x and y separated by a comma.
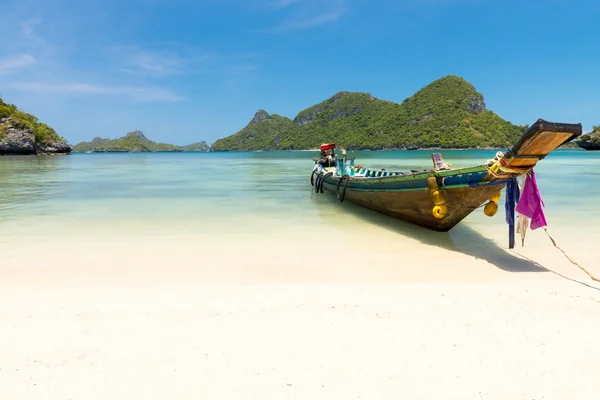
x,y
432,184
496,198
440,211
437,196
490,209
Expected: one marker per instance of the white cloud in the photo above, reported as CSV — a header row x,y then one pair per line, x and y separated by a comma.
x,y
284,3
310,14
16,62
28,28
137,93
158,62
310,22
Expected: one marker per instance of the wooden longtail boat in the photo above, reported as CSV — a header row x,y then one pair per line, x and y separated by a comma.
x,y
440,198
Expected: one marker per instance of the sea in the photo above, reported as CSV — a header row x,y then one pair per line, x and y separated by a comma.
x,y
250,194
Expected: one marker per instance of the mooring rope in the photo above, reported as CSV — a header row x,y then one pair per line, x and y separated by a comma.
x,y
570,259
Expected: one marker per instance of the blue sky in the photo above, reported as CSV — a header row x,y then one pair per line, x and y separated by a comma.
x,y
184,71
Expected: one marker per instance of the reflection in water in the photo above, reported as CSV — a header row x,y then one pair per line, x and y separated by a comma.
x,y
26,182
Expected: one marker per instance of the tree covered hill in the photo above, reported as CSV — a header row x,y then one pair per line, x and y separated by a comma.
x,y
134,141
591,140
264,132
448,113
199,146
23,133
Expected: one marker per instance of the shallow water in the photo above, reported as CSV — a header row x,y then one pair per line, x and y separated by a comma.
x,y
251,192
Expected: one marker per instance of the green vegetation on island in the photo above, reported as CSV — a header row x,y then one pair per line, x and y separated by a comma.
x,y
199,146
264,132
134,142
448,113
22,133
591,140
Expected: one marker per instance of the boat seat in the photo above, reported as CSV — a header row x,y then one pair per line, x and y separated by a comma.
x,y
438,162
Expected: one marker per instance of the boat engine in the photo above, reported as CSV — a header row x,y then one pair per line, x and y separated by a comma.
x,y
327,155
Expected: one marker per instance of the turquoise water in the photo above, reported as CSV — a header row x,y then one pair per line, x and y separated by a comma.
x,y
245,190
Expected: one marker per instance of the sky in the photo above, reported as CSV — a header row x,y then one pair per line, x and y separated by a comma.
x,y
184,71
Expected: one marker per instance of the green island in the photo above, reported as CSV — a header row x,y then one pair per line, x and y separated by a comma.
x,y
134,142
198,146
447,113
591,140
22,133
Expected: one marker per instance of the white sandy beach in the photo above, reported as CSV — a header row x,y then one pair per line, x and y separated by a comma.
x,y
232,316
162,239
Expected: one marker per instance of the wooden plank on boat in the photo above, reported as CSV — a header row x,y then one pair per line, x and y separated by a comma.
x,y
539,141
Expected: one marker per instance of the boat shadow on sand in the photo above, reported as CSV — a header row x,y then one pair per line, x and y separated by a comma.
x,y
461,239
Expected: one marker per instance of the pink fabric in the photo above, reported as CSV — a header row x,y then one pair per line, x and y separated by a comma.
x,y
531,203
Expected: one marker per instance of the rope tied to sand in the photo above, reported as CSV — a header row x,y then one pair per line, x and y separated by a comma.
x,y
530,205
569,258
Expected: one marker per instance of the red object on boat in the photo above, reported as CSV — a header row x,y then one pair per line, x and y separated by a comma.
x,y
327,146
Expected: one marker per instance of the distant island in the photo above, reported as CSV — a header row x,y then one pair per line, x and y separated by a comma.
x,y
590,141
134,141
23,134
447,113
199,146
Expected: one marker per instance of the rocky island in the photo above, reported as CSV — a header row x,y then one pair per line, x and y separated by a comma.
x,y
590,141
447,113
136,142
199,146
23,134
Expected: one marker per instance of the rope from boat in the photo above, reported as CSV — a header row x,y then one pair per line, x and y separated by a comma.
x,y
498,164
492,173
322,181
343,196
514,170
570,259
504,170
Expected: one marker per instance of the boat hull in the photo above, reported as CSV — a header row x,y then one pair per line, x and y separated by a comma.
x,y
416,205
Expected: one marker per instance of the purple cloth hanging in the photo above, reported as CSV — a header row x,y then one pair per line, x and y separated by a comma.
x,y
531,203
